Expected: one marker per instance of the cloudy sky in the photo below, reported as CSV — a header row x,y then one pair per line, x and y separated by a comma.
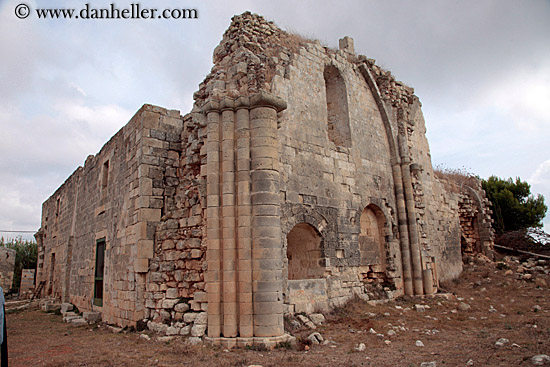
x,y
481,69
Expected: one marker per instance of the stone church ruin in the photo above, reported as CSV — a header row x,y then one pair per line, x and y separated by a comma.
x,y
301,178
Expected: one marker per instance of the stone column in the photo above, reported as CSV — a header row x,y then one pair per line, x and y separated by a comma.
x,y
267,254
411,214
213,217
244,219
403,231
244,250
229,255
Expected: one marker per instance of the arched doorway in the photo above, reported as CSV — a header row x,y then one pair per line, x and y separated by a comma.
x,y
372,236
304,253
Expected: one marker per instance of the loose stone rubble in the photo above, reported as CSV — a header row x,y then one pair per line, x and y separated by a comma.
x,y
300,179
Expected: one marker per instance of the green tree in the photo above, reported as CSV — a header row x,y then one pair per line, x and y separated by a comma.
x,y
26,255
514,207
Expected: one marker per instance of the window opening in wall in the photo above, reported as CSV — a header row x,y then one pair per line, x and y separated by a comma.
x,y
304,253
99,271
57,207
104,179
371,238
337,108
52,272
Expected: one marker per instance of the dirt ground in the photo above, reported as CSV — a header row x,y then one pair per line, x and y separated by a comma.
x,y
501,306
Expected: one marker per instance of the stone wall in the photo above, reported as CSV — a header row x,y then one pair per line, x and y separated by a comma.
x,y
7,265
27,283
175,297
328,182
117,197
474,214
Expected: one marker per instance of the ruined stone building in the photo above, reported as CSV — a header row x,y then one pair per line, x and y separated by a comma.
x,y
7,266
301,177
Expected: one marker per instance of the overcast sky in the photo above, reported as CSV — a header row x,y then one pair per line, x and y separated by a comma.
x,y
480,68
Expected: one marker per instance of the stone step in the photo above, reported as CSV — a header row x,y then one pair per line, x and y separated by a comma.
x,y
70,318
79,321
66,307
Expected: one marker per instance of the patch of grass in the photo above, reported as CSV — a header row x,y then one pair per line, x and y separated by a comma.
x,y
257,347
354,305
455,178
284,345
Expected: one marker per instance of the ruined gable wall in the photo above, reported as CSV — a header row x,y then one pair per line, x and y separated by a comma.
x,y
333,181
115,196
256,55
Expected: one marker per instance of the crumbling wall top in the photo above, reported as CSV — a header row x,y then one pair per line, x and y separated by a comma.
x,y
245,59
253,49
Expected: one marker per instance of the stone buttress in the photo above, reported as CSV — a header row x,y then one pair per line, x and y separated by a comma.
x,y
244,254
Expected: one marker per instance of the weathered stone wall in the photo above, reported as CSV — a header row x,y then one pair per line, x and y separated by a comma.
x,y
7,265
474,214
118,196
328,183
175,297
27,283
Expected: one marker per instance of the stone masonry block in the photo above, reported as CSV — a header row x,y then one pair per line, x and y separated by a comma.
x,y
145,249
141,265
150,120
66,307
149,215
200,296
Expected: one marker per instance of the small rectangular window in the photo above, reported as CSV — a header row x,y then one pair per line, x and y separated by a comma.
x,y
104,179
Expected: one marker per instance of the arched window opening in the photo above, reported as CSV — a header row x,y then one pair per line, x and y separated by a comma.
x,y
371,238
304,253
337,108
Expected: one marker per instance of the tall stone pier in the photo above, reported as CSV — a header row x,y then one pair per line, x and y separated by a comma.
x,y
244,253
